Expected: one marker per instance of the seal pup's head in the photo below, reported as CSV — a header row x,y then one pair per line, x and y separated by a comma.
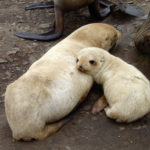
x,y
91,60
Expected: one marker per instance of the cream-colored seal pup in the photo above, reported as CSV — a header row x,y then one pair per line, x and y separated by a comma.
x,y
53,87
126,89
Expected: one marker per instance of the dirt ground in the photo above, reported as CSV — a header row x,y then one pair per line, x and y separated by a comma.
x,y
84,131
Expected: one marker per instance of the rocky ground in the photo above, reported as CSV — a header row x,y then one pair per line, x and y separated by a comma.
x,y
84,131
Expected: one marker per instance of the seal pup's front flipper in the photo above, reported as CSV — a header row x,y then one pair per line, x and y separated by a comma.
x,y
40,5
100,104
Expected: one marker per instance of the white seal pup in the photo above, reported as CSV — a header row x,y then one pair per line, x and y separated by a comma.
x,y
52,87
126,89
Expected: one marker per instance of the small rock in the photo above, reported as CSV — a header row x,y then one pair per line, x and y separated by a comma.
x,y
3,67
1,101
144,17
32,59
79,121
143,4
26,28
14,65
13,24
8,74
140,127
131,44
17,49
87,113
14,51
18,69
25,62
131,141
3,94
94,118
119,27
68,147
43,26
2,60
34,44
121,128
87,108
4,78
9,59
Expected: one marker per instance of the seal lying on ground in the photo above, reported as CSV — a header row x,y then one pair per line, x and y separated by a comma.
x,y
53,87
126,89
142,37
60,8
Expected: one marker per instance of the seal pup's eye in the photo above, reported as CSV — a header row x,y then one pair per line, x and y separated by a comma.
x,y
77,60
92,62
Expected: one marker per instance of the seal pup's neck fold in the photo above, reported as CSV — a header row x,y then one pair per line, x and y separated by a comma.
x,y
105,70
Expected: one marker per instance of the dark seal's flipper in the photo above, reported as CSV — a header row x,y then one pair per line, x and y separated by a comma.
x,y
105,8
53,34
40,5
99,9
129,9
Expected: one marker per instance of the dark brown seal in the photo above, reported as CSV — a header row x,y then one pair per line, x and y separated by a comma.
x,y
142,37
60,8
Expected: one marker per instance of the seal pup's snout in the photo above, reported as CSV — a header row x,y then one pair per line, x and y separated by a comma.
x,y
80,67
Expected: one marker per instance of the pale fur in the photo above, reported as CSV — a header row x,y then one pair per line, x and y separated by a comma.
x,y
126,89
52,86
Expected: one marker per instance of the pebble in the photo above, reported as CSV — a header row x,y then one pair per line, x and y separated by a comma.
x,y
131,44
94,118
9,59
8,74
3,67
87,108
18,69
32,59
144,17
25,62
68,147
34,44
131,141
2,60
14,51
140,127
121,128
43,26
